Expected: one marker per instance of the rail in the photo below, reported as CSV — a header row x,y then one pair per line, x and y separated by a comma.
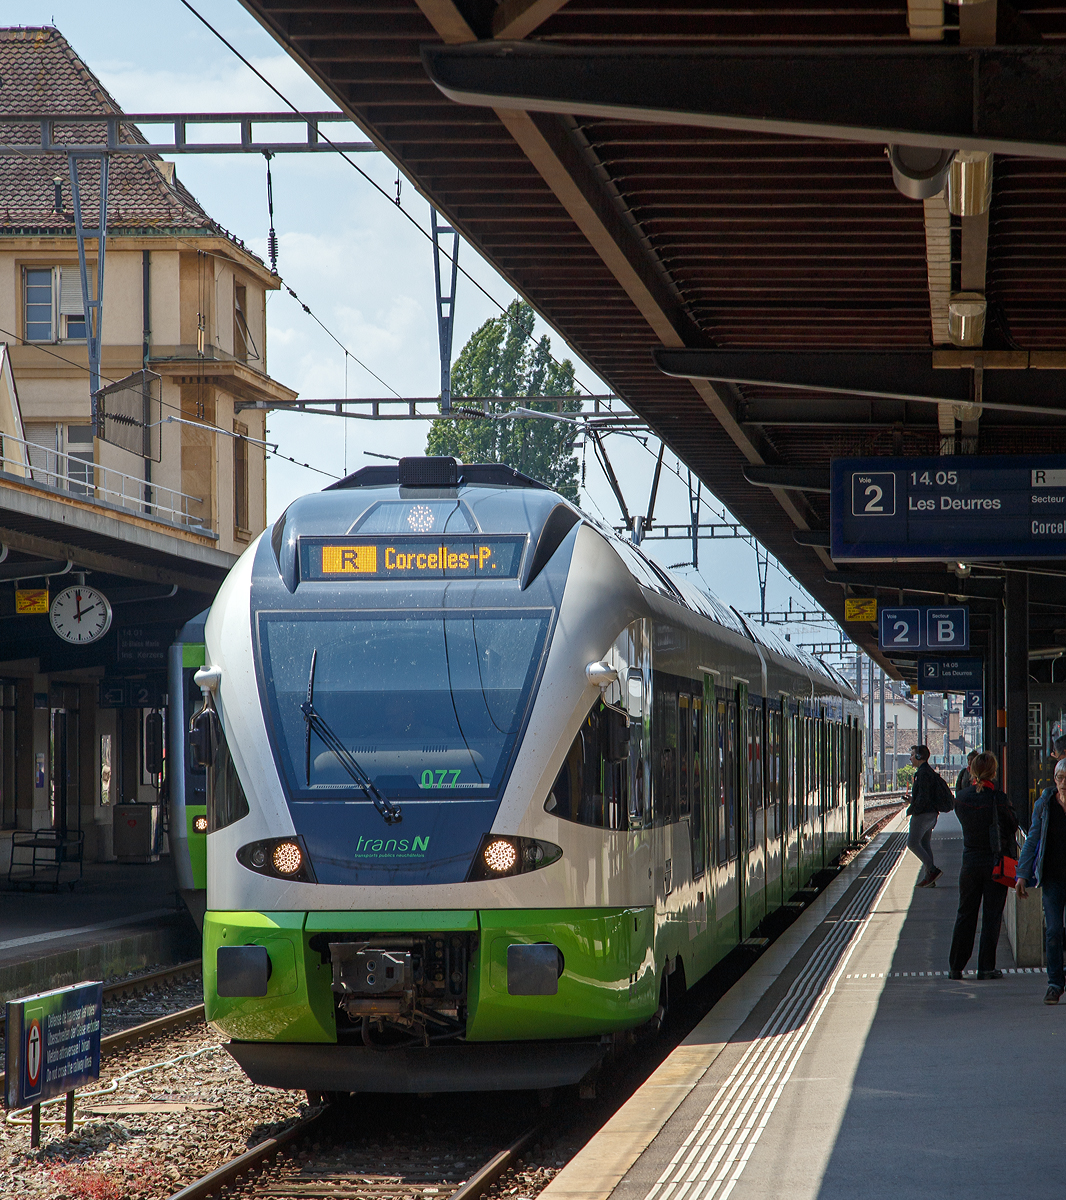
x,y
81,476
259,1157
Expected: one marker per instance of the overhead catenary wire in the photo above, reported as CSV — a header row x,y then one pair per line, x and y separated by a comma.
x,y
394,201
269,447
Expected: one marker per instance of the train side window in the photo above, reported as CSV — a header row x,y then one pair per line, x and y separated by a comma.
x,y
684,755
755,767
593,783
635,708
727,816
664,735
697,828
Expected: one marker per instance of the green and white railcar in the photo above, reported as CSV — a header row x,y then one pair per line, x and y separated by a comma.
x,y
482,778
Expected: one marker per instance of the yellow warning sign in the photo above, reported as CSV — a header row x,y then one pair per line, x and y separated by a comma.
x,y
860,610
31,601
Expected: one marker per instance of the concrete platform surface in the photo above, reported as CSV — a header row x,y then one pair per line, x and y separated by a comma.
x,y
118,919
847,1064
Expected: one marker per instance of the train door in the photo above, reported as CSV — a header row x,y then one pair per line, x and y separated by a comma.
x,y
791,838
820,838
772,776
642,836
755,891
726,832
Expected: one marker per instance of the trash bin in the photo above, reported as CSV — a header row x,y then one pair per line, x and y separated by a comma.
x,y
137,830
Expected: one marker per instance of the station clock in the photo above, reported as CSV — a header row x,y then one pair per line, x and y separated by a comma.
x,y
80,615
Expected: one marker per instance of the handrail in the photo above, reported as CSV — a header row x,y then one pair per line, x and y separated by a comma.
x,y
105,481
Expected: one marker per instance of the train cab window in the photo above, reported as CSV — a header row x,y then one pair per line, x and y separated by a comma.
x,y
592,787
726,782
425,515
226,801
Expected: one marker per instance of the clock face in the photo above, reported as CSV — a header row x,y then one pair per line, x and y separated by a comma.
x,y
80,615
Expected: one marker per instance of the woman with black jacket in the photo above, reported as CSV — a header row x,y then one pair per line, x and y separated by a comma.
x,y
974,806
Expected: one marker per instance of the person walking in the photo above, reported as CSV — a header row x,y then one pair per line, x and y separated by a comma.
x,y
963,780
923,811
1043,864
976,808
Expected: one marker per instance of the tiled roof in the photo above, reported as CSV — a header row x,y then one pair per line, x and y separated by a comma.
x,y
40,73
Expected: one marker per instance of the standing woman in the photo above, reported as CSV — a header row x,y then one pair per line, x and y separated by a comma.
x,y
975,806
1043,864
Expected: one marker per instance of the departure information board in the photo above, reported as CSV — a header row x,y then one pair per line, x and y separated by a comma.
x,y
959,507
352,559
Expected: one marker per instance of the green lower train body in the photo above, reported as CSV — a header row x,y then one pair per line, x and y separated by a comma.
x,y
609,981
612,966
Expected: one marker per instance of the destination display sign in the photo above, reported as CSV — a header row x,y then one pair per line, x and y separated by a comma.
x,y
951,674
957,507
350,559
52,1043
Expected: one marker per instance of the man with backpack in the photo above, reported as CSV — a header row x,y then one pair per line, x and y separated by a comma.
x,y
930,796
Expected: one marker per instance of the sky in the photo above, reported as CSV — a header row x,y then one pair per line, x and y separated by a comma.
x,y
363,268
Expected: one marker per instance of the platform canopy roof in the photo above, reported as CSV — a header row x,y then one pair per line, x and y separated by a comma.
x,y
698,196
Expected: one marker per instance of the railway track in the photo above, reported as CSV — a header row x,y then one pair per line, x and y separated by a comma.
x,y
136,984
354,1184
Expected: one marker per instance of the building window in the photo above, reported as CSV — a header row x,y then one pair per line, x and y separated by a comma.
x,y
8,749
240,322
55,309
240,478
80,463
61,456
39,323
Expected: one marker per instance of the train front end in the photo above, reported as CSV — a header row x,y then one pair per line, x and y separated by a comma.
x,y
393,677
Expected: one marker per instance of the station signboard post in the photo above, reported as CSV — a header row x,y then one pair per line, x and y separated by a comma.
x,y
973,704
961,507
51,1047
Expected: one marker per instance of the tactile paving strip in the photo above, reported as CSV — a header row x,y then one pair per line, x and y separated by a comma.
x,y
711,1160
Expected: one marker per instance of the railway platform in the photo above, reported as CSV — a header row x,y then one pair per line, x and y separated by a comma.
x,y
121,918
847,1063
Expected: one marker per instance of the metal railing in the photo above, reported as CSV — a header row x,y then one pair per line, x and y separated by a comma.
x,y
80,476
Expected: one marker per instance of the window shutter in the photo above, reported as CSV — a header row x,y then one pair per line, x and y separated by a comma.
x,y
43,444
71,303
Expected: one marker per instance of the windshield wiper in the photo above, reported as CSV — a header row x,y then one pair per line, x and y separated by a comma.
x,y
316,722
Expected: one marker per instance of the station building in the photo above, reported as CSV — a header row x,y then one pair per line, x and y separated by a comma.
x,y
153,532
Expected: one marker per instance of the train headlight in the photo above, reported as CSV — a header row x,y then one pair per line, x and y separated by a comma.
x,y
287,858
499,856
199,825
280,858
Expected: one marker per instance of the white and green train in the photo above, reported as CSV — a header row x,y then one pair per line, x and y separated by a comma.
x,y
485,785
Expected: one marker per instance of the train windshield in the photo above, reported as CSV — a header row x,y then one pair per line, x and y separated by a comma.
x,y
429,705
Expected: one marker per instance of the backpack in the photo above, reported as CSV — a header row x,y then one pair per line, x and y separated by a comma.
x,y
945,801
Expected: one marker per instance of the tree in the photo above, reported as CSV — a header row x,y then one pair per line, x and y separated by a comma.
x,y
501,359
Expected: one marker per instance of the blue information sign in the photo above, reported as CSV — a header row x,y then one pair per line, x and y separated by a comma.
x,y
973,704
52,1043
927,628
958,507
950,674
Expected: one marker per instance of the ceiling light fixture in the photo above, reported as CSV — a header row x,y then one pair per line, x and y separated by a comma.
x,y
920,171
966,318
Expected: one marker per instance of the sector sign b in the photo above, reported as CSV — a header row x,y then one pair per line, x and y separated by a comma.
x,y
946,628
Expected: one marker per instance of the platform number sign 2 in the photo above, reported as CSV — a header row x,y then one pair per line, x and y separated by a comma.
x,y
901,628
873,494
